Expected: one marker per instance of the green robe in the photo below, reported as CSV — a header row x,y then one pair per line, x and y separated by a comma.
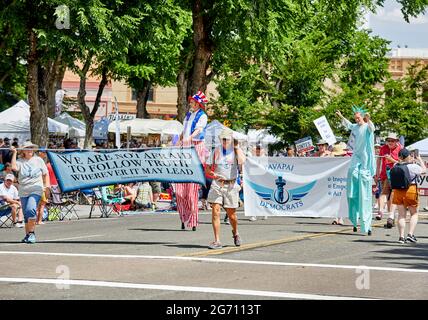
x,y
360,175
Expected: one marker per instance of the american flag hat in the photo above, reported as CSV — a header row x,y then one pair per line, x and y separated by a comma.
x,y
200,98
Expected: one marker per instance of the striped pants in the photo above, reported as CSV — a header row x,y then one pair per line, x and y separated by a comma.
x,y
187,194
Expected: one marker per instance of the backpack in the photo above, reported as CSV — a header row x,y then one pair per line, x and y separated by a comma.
x,y
400,176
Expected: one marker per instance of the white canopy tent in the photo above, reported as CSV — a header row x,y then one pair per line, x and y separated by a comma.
x,y
15,123
77,128
421,145
148,126
261,136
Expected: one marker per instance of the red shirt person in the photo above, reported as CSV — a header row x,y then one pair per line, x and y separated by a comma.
x,y
388,157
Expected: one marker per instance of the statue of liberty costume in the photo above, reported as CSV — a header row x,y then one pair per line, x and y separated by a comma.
x,y
360,173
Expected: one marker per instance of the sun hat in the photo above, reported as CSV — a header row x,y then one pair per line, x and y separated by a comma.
x,y
29,144
226,133
9,176
339,150
321,141
200,98
392,135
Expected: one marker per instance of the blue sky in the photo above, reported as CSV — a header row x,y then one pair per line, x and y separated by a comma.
x,y
388,23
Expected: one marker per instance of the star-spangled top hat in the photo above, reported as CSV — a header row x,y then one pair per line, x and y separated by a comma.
x,y
200,98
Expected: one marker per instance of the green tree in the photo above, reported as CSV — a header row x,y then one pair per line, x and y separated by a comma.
x,y
153,57
405,109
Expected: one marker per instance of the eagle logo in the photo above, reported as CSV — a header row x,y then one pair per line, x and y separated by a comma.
x,y
280,195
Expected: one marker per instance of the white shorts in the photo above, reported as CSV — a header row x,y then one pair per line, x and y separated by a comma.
x,y
226,195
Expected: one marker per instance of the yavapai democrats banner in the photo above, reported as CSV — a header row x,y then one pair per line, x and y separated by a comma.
x,y
87,169
286,186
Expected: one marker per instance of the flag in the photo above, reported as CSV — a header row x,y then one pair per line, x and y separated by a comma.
x,y
117,125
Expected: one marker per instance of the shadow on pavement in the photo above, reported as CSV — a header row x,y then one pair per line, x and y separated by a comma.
x,y
92,242
143,229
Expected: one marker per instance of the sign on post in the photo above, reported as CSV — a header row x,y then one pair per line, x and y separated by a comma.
x,y
304,145
325,131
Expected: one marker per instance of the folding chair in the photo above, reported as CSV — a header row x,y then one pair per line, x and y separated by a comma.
x,y
98,201
61,205
85,196
5,216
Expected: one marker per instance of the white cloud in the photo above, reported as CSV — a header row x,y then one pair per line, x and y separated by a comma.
x,y
396,16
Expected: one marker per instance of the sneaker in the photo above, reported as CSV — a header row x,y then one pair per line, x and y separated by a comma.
x,y
411,238
389,223
253,219
31,238
237,240
19,225
401,240
25,238
379,216
215,245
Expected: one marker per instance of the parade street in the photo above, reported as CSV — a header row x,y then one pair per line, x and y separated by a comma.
x,y
148,256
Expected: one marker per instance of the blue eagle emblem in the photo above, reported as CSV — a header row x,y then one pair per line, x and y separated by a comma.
x,y
280,195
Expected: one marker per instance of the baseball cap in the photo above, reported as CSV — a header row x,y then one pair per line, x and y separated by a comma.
x,y
404,153
10,177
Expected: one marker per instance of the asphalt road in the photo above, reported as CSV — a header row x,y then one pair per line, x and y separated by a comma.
x,y
148,256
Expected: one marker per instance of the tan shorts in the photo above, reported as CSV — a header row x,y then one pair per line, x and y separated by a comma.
x,y
227,195
386,187
406,197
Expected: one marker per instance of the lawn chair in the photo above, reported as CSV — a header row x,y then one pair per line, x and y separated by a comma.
x,y
85,196
106,202
61,205
5,215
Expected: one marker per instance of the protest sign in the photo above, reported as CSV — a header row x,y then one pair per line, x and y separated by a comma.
x,y
88,169
304,145
325,131
305,187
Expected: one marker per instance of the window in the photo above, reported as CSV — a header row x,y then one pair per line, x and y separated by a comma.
x,y
134,94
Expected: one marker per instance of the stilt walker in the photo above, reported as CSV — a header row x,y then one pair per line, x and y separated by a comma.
x,y
187,194
361,170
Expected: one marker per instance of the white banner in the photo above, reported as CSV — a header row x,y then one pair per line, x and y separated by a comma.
x,y
289,186
325,130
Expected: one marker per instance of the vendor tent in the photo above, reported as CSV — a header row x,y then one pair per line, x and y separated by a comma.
x,y
421,145
77,127
101,129
261,136
15,123
148,126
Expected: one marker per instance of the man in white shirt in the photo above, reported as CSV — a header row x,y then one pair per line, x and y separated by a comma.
x,y
193,134
9,195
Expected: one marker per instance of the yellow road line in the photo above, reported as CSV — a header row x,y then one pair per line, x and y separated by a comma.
x,y
269,243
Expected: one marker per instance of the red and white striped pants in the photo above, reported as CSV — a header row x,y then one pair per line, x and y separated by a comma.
x,y
187,194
